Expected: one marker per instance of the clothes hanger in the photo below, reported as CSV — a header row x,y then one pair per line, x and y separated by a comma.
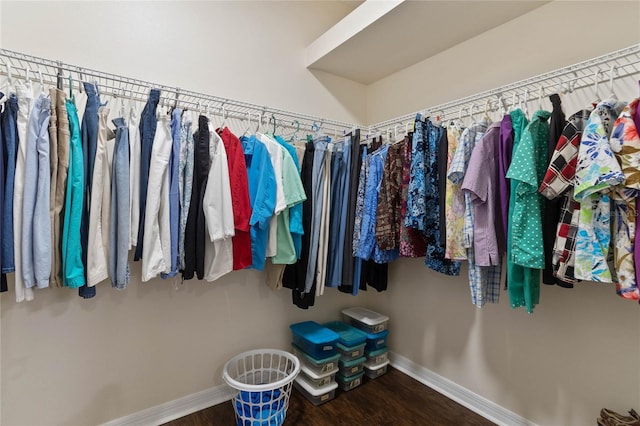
x,y
295,133
224,114
514,105
7,84
612,94
526,102
487,109
42,89
596,77
272,120
71,96
540,94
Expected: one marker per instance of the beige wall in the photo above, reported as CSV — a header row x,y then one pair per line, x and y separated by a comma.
x,y
68,361
577,353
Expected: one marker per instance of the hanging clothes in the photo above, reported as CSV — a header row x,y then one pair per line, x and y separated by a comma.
x,y
97,264
147,129
156,252
59,154
295,211
454,212
217,206
25,108
552,207
3,277
316,195
72,267
89,130
390,199
275,153
185,182
597,170
504,158
481,183
412,242
10,151
262,194
240,199
558,184
294,276
36,221
625,143
527,171
323,240
174,196
120,232
134,173
348,285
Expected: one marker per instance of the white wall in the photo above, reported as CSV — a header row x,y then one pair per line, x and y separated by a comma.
x,y
578,352
69,361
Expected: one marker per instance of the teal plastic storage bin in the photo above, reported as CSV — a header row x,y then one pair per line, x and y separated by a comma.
x,y
378,356
348,383
314,339
354,352
349,336
351,368
376,341
318,366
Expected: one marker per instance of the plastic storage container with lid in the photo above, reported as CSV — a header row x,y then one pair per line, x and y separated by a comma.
x,y
376,341
378,356
365,319
348,383
374,371
318,366
318,380
317,396
350,368
314,339
354,352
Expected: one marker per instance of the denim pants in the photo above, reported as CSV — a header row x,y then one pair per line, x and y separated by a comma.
x,y
9,149
148,125
89,131
339,198
36,221
119,233
317,187
3,277
174,196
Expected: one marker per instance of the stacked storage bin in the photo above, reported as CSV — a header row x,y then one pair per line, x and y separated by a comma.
x,y
376,350
351,344
316,348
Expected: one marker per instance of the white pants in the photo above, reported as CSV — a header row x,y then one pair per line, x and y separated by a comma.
x,y
100,208
156,245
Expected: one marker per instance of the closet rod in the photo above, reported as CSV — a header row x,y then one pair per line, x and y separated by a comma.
x,y
119,86
625,62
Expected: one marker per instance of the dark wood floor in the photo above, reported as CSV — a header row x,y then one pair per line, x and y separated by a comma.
x,y
392,399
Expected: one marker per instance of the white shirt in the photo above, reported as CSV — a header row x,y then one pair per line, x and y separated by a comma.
x,y
276,152
218,213
134,174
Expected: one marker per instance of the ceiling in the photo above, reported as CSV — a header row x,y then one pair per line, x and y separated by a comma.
x,y
392,35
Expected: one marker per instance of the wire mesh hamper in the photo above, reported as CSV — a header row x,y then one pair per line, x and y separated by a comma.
x,y
262,379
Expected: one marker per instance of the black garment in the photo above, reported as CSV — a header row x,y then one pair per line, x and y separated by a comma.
x,y
375,275
348,261
3,277
194,236
443,153
552,208
295,275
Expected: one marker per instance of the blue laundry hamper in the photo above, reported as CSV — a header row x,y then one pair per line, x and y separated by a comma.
x,y
262,379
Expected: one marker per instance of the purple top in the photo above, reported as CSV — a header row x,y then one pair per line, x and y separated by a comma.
x,y
481,183
502,199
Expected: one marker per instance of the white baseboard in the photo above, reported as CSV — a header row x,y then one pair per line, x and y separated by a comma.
x,y
177,408
216,395
463,396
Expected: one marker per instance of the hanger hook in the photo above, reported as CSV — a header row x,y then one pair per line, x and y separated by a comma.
x,y
611,72
596,78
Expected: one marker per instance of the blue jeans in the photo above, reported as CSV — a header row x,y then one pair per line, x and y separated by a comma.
x,y
174,195
89,131
36,221
148,125
10,151
3,277
119,228
339,193
317,186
